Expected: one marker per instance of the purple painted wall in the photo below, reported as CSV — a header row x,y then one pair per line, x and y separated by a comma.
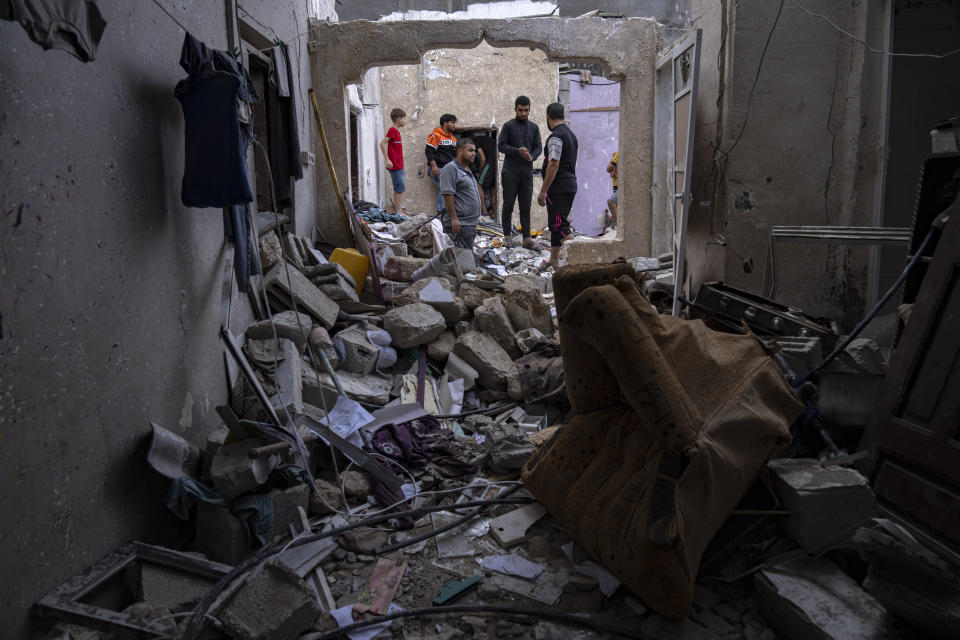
x,y
598,137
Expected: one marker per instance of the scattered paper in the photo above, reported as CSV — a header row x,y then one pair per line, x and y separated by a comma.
x,y
346,417
512,565
344,617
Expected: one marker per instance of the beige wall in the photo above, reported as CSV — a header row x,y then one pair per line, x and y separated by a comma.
x,y
478,86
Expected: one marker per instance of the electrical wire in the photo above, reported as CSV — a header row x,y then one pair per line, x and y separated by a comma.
x,y
864,43
568,619
199,614
171,16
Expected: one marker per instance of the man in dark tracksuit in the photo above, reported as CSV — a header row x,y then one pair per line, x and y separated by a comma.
x,y
559,179
519,142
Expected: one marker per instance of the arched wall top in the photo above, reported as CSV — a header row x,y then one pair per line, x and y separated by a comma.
x,y
350,48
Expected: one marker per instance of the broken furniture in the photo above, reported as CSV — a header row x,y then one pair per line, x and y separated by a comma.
x,y
672,421
134,572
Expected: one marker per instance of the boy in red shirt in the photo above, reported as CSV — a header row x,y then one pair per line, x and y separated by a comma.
x,y
392,149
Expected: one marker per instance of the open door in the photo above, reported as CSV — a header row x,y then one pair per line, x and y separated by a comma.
x,y
675,112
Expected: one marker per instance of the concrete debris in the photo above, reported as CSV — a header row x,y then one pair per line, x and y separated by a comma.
x,y
491,318
527,339
286,285
170,588
274,604
439,350
438,293
233,472
511,528
526,306
288,378
221,536
814,599
495,369
356,484
326,499
290,325
298,251
402,268
823,501
359,355
461,328
334,281
271,252
320,341
458,368
473,296
414,324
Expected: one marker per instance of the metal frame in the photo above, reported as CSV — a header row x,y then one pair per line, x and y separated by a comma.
x,y
692,40
871,236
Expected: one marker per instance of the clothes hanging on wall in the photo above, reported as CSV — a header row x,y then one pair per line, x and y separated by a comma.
x,y
218,126
69,25
284,136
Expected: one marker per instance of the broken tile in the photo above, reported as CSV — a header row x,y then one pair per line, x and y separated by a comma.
x,y
511,528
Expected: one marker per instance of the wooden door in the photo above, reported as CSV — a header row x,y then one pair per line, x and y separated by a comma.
x,y
915,438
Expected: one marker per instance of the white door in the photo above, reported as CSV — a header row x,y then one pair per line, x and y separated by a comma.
x,y
675,112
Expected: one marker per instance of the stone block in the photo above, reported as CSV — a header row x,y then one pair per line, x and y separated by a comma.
x,y
461,327
457,368
438,293
491,318
356,484
401,268
359,354
822,501
285,509
496,370
285,284
473,296
334,281
440,348
221,536
232,471
413,324
275,604
270,251
527,339
290,325
526,306
814,599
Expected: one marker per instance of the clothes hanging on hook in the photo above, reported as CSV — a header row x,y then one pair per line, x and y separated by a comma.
x,y
284,145
218,127
69,25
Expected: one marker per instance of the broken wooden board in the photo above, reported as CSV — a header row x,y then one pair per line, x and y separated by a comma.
x,y
511,528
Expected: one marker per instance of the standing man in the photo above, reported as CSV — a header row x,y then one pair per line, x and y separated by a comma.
x,y
520,144
440,150
612,200
461,195
392,148
559,180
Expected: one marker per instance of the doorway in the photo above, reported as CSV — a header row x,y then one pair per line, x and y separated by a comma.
x,y
486,174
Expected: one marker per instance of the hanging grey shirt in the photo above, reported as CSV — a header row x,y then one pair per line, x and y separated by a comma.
x,y
460,183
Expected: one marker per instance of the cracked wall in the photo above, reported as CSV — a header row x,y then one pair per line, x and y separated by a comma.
x,y
342,52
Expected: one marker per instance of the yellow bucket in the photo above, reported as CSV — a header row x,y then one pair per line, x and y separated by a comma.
x,y
356,264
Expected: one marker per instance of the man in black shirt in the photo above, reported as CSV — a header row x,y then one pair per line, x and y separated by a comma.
x,y
519,142
559,180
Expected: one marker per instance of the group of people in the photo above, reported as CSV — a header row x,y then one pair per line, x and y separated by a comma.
x,y
460,194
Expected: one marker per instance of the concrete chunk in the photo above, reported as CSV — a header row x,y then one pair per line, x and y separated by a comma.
x,y
525,305
491,318
813,599
221,536
822,501
496,370
401,268
473,296
289,377
360,355
457,368
275,604
413,324
233,472
528,339
308,297
319,388
270,251
290,325
440,348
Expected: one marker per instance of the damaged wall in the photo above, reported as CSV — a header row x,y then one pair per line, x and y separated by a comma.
x,y
798,148
110,288
478,86
627,46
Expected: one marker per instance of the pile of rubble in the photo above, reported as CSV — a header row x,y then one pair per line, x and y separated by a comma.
x,y
365,481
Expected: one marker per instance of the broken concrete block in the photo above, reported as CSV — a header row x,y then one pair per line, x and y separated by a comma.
x,y
440,348
270,251
526,306
356,484
496,370
290,325
438,293
318,387
320,341
289,378
233,472
221,536
822,501
401,268
473,296
334,280
275,604
911,581
458,368
285,284
814,599
491,318
359,354
266,353
413,324
327,496
461,327
286,505
528,339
